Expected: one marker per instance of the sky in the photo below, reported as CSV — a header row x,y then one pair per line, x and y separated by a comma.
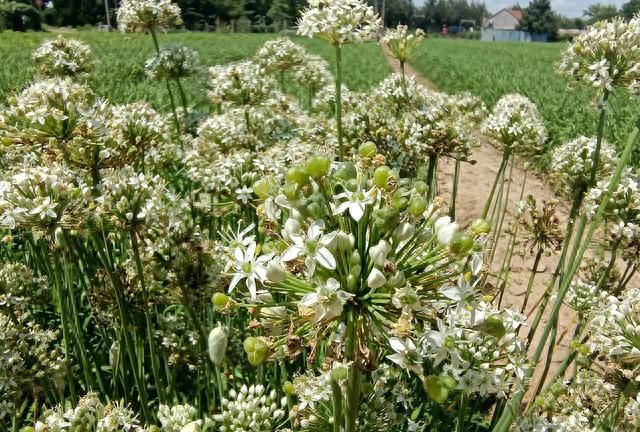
x,y
570,8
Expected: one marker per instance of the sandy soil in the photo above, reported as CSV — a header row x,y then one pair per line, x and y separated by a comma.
x,y
474,188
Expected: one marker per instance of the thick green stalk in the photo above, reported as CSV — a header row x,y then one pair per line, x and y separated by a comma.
x,y
462,412
599,138
339,100
64,318
534,272
612,261
454,192
431,174
338,417
354,375
502,205
503,164
508,416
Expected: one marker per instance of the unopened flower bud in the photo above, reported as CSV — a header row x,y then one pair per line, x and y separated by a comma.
x,y
379,252
218,344
194,426
403,232
275,272
355,258
351,282
376,279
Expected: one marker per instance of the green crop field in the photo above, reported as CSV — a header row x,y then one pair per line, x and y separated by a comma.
x,y
120,70
491,70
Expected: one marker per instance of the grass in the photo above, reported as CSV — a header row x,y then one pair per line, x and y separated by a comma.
x,y
491,70
120,74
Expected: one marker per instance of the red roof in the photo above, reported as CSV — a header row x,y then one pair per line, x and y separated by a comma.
x,y
517,13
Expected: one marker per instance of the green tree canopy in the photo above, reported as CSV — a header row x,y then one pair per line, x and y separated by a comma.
x,y
600,12
630,8
539,18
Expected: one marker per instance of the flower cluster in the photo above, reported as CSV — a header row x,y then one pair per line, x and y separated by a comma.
x,y
243,83
313,74
479,351
50,108
280,55
515,124
401,42
175,418
606,56
251,408
173,62
622,213
340,22
148,15
62,57
572,163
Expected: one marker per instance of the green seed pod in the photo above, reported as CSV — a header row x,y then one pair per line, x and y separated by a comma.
x,y
220,301
345,171
290,191
481,226
288,388
298,175
493,326
318,166
399,199
420,187
461,243
386,219
417,206
380,176
367,149
256,349
439,387
262,188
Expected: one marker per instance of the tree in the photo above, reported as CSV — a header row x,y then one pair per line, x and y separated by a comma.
x,y
540,19
600,12
630,8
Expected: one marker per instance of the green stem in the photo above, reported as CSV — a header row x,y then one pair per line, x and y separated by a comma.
x,y
338,417
339,101
454,193
612,261
601,125
534,272
354,376
503,164
462,412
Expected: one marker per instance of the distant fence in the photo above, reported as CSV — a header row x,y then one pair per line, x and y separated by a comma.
x,y
498,35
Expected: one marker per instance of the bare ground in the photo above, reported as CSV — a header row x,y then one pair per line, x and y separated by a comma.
x,y
474,187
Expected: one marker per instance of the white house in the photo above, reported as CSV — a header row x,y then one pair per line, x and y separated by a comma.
x,y
506,19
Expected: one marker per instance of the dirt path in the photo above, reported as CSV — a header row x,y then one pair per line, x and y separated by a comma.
x,y
474,187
